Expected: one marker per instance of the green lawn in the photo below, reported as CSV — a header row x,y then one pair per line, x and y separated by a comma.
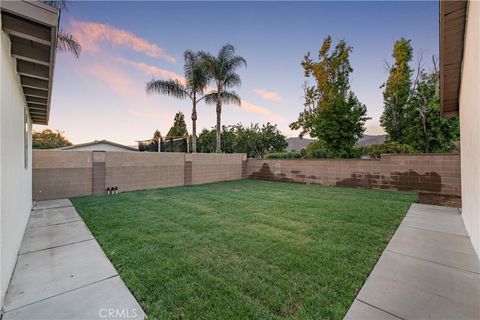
x,y
245,249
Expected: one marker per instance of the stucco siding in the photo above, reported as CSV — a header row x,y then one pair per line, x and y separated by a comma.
x,y
15,179
470,125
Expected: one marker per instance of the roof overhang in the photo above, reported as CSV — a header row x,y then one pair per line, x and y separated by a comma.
x,y
452,32
32,27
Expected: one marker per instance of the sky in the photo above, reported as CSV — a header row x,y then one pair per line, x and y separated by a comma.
x,y
101,95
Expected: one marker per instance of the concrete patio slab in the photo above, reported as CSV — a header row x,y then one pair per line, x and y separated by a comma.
x,y
411,288
43,274
443,248
49,204
43,218
429,270
362,311
435,221
42,238
430,208
94,301
62,273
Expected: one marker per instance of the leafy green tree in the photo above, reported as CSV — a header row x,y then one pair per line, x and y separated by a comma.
x,y
196,81
179,127
332,112
206,141
66,41
411,113
427,131
397,91
48,139
254,140
257,140
156,135
222,69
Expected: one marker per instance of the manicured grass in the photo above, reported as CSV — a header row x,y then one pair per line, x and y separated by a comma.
x,y
245,249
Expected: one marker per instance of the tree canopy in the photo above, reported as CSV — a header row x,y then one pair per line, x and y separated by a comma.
x,y
397,91
179,127
48,139
255,140
411,113
332,112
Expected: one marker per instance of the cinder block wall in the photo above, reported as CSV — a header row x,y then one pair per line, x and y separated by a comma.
x,y
64,174
429,173
211,167
61,174
144,170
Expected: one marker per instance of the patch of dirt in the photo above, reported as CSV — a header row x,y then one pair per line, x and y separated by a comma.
x,y
440,200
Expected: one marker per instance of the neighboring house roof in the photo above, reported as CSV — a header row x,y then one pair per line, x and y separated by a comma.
x,y
98,142
32,27
452,33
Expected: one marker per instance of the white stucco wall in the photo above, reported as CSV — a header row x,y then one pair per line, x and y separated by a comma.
x,y
15,179
470,125
99,147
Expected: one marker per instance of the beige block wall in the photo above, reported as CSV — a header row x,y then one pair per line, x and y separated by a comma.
x,y
64,174
439,173
211,167
61,174
144,170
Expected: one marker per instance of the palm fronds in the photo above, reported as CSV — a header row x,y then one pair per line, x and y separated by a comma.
x,y
66,42
171,88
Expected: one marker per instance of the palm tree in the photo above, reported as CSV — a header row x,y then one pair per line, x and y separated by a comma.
x,y
196,80
222,70
66,41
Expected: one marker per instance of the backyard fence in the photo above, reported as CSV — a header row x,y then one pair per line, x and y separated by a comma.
x,y
427,173
63,174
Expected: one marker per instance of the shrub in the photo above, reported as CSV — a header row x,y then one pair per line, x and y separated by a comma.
x,y
283,155
389,147
319,150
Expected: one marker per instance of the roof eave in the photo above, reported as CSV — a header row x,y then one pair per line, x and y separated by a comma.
x,y
33,28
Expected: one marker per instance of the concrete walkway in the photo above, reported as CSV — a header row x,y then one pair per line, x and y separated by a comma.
x,y
62,273
429,270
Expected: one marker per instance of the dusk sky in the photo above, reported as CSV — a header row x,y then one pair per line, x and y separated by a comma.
x,y
101,95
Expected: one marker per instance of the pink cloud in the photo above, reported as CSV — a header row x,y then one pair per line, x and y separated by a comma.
x,y
269,95
251,107
90,34
152,70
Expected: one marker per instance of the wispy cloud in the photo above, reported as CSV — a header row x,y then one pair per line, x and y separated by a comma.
x,y
91,34
152,70
134,93
251,107
269,95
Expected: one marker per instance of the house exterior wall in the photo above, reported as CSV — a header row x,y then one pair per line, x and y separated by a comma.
x,y
100,147
15,177
470,125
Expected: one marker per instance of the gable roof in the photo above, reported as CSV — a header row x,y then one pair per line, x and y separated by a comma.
x,y
453,15
96,142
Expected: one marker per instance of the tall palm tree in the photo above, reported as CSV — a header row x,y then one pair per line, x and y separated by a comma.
x,y
196,81
222,69
66,41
